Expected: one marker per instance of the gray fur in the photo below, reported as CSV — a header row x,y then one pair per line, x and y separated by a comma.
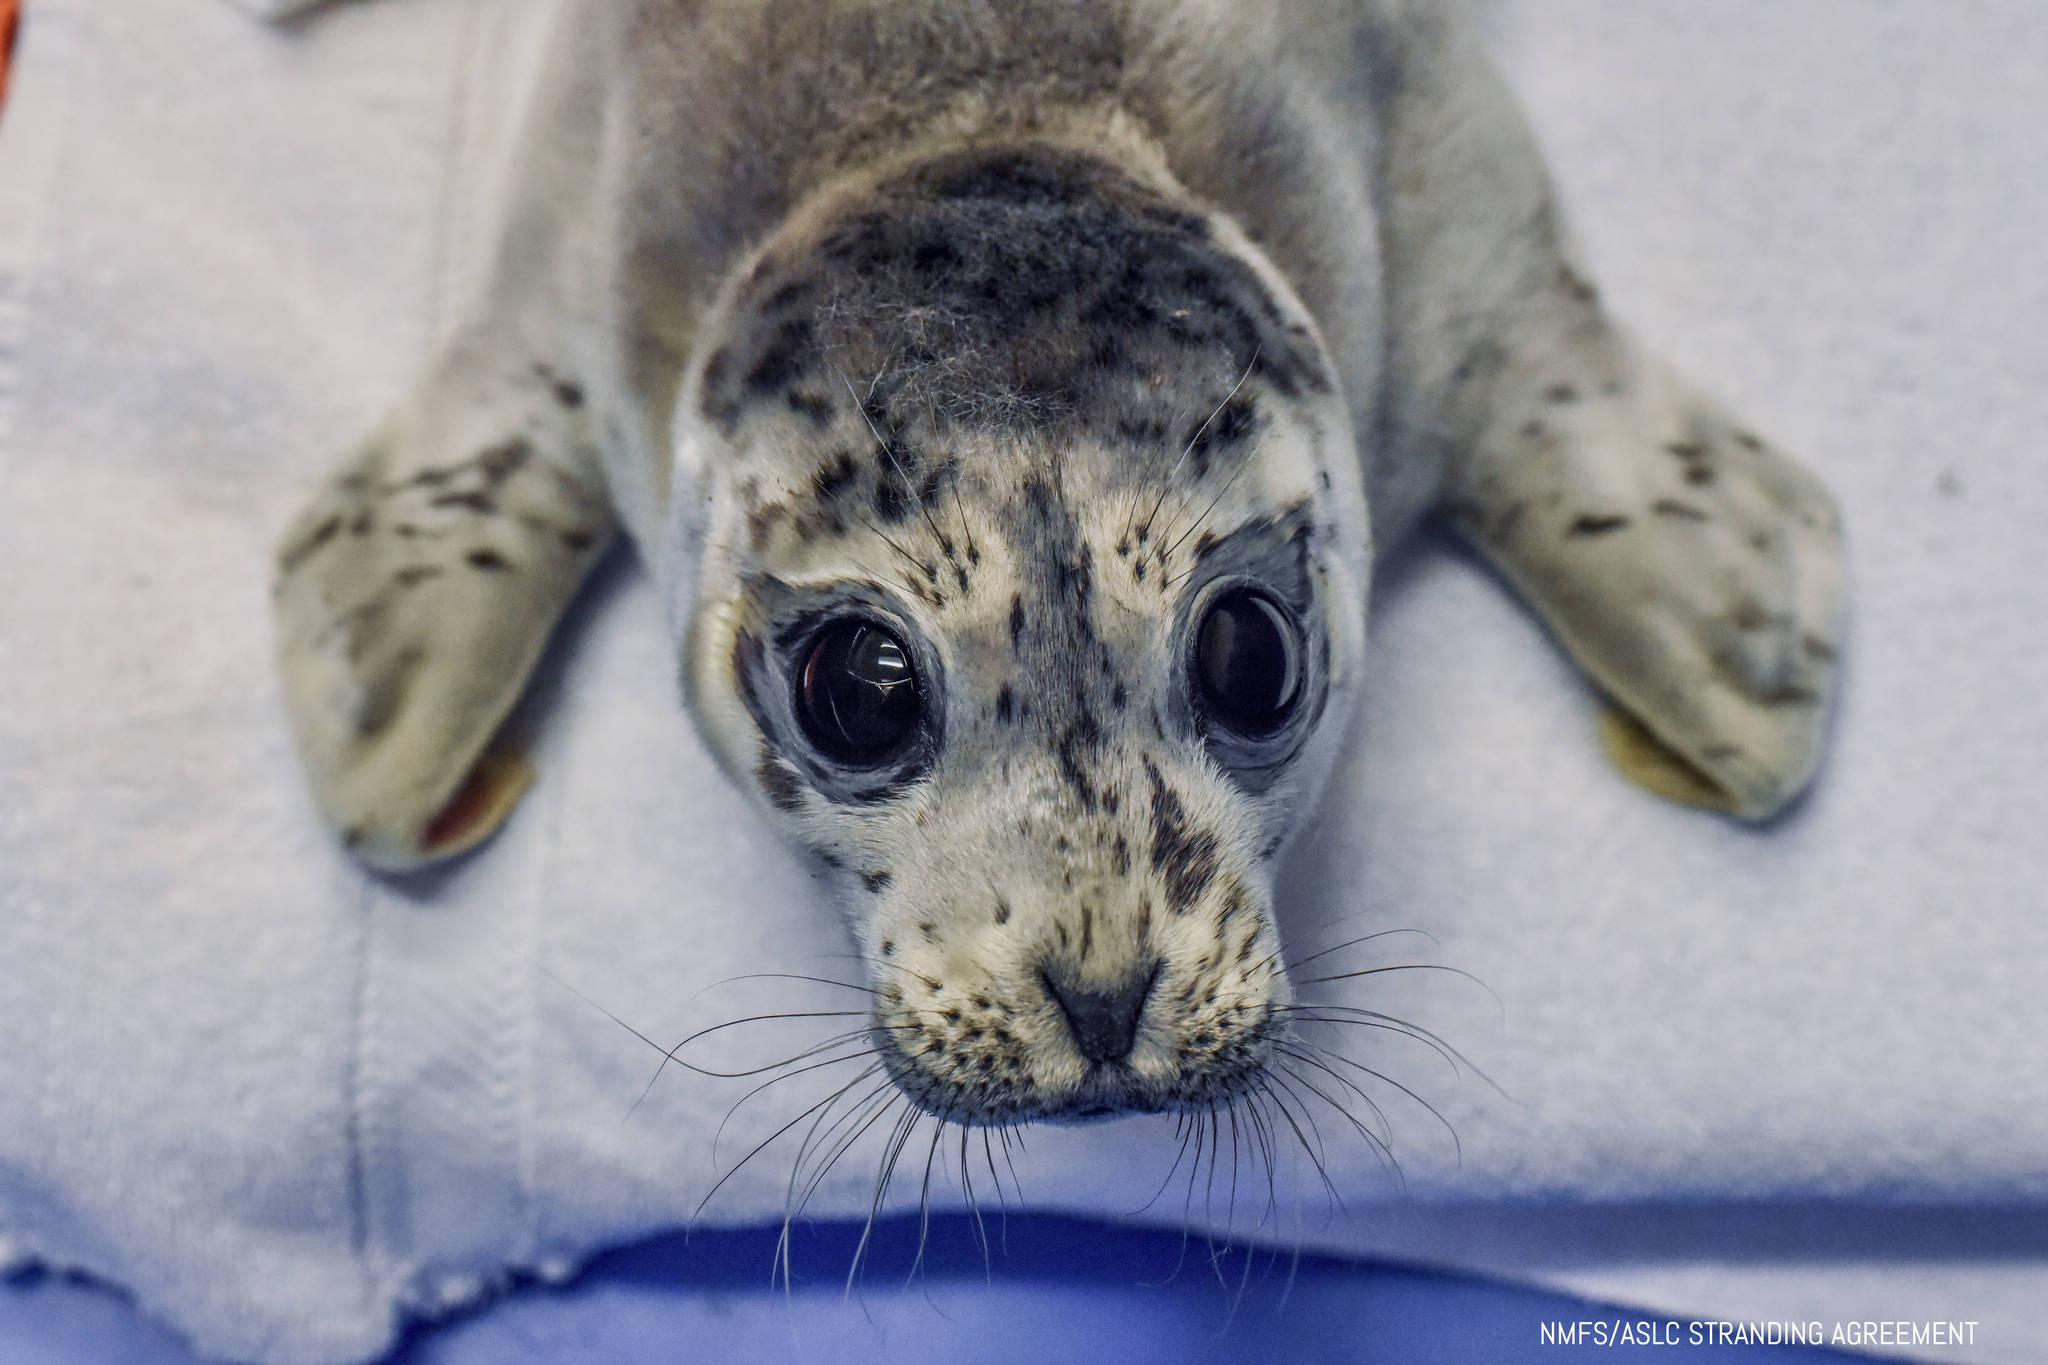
x,y
1029,330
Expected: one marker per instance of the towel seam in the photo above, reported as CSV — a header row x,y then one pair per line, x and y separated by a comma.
x,y
393,1264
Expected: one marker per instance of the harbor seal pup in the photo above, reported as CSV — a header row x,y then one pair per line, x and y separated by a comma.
x,y
1011,400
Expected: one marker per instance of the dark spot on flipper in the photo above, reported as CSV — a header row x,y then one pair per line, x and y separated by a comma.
x,y
1016,620
1002,915
1006,704
1699,476
490,561
379,702
1561,393
1720,753
1750,614
352,838
1597,525
503,460
1577,286
1817,649
877,880
365,522
569,394
1789,694
412,575
1671,507
1686,450
479,503
576,538
305,549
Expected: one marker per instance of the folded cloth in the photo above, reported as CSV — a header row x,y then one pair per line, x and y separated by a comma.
x,y
1791,1072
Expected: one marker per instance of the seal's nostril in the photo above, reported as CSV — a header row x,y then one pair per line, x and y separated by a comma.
x,y
1104,1021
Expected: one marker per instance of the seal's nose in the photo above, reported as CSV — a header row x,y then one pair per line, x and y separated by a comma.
x,y
1103,1019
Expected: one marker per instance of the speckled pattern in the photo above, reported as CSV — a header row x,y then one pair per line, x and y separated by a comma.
x,y
1029,370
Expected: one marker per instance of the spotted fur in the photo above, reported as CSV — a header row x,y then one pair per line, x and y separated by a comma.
x,y
1029,332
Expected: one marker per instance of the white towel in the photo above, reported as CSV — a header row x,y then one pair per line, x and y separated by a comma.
x,y
1750,1073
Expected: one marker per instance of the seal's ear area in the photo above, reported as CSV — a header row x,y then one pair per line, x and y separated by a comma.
x,y
413,599
1691,568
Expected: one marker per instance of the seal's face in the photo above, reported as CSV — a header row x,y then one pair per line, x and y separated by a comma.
x,y
1029,602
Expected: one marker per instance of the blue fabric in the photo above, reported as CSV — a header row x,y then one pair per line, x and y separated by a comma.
x,y
1051,1290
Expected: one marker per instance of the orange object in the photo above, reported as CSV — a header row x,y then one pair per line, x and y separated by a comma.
x,y
10,11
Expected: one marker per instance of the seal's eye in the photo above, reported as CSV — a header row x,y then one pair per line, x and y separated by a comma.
x,y
1247,663
856,694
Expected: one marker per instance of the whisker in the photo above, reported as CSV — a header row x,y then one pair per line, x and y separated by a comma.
x,y
605,1012
777,1080
1374,1143
924,1200
1137,496
910,489
1407,967
1268,1083
820,980
839,1139
1296,966
899,1138
1180,1132
1355,1017
1189,449
926,567
761,1146
1262,1129
974,1205
1433,1111
1209,1190
873,1105
1311,1059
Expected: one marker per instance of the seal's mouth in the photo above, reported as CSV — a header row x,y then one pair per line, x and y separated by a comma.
x,y
1018,1089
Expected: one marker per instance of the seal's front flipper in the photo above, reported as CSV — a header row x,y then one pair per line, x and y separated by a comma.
x,y
413,598
1690,567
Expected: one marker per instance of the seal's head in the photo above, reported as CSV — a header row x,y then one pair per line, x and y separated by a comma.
x,y
1027,563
